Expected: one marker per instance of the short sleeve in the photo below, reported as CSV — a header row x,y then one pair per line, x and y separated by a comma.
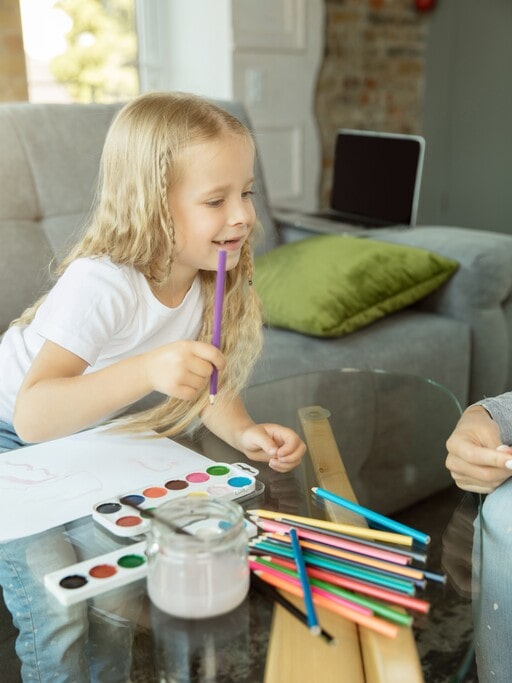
x,y
88,306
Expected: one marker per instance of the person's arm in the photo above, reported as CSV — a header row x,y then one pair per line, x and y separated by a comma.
x,y
477,458
280,446
56,399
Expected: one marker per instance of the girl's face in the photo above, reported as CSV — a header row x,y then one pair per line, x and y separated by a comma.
x,y
211,203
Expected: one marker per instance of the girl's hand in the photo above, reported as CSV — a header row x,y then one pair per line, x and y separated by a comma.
x,y
477,459
281,447
182,369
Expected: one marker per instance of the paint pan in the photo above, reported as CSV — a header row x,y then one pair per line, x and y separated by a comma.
x,y
220,480
96,576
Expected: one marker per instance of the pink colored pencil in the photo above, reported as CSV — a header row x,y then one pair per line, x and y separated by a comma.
x,y
415,604
373,623
408,572
387,555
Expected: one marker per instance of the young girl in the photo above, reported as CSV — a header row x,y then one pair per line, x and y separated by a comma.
x,y
131,315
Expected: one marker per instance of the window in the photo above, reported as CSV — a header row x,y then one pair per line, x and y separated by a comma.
x,y
80,50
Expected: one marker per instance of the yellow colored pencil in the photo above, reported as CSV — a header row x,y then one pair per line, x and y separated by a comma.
x,y
360,532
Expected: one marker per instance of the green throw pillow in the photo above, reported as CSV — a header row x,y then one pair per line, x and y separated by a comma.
x,y
330,285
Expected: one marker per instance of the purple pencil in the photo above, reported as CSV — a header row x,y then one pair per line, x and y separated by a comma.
x,y
217,316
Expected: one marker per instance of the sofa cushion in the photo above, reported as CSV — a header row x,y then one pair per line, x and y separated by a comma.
x,y
330,285
25,274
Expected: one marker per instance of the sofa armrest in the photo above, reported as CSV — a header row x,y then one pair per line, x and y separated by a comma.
x,y
479,293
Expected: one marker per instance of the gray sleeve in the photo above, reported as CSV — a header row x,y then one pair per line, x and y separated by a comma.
x,y
500,409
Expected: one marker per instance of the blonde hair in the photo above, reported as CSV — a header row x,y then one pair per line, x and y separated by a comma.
x,y
131,224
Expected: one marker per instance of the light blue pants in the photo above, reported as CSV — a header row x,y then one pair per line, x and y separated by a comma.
x,y
493,566
86,642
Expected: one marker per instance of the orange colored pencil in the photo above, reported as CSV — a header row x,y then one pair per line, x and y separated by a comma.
x,y
374,623
359,586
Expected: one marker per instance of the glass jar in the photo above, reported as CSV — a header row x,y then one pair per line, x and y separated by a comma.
x,y
203,574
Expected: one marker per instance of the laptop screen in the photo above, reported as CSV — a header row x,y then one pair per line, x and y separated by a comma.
x,y
377,176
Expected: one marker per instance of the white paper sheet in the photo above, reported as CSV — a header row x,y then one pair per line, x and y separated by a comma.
x,y
52,483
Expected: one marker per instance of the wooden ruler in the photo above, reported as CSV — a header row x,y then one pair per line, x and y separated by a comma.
x,y
360,655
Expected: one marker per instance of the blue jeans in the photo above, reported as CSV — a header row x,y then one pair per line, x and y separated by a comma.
x,y
85,642
493,565
9,440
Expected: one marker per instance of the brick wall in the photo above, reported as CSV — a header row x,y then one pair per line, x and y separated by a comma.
x,y
13,78
372,75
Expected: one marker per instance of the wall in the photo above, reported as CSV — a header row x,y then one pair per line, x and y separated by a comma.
x,y
373,72
186,46
13,79
467,113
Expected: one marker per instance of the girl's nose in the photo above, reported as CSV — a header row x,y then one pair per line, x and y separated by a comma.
x,y
242,212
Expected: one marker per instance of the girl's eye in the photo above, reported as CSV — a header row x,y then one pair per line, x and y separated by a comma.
x,y
214,203
248,195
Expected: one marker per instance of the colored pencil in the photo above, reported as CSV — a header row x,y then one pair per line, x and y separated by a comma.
x,y
375,571
384,594
386,555
439,578
360,532
407,552
338,566
372,516
273,595
419,581
217,316
374,623
336,593
301,568
294,578
391,567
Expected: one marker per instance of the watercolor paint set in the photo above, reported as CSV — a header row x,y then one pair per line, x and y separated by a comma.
x,y
232,481
93,577
89,578
129,515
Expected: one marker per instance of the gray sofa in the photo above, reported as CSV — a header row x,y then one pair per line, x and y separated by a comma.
x,y
459,336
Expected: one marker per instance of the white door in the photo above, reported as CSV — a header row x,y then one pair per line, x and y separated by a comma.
x,y
265,54
278,47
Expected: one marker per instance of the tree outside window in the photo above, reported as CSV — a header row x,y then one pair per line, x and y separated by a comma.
x,y
80,50
100,62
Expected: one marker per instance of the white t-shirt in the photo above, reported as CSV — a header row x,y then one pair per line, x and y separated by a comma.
x,y
100,312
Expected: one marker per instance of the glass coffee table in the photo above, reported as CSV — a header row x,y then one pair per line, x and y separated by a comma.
x,y
383,436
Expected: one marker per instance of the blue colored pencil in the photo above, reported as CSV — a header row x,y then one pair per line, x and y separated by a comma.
x,y
372,516
313,624
337,566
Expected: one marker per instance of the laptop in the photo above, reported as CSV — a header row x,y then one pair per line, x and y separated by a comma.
x,y
376,183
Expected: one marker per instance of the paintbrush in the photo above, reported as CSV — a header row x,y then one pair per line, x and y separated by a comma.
x,y
161,520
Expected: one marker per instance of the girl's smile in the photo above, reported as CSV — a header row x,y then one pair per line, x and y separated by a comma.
x,y
233,244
